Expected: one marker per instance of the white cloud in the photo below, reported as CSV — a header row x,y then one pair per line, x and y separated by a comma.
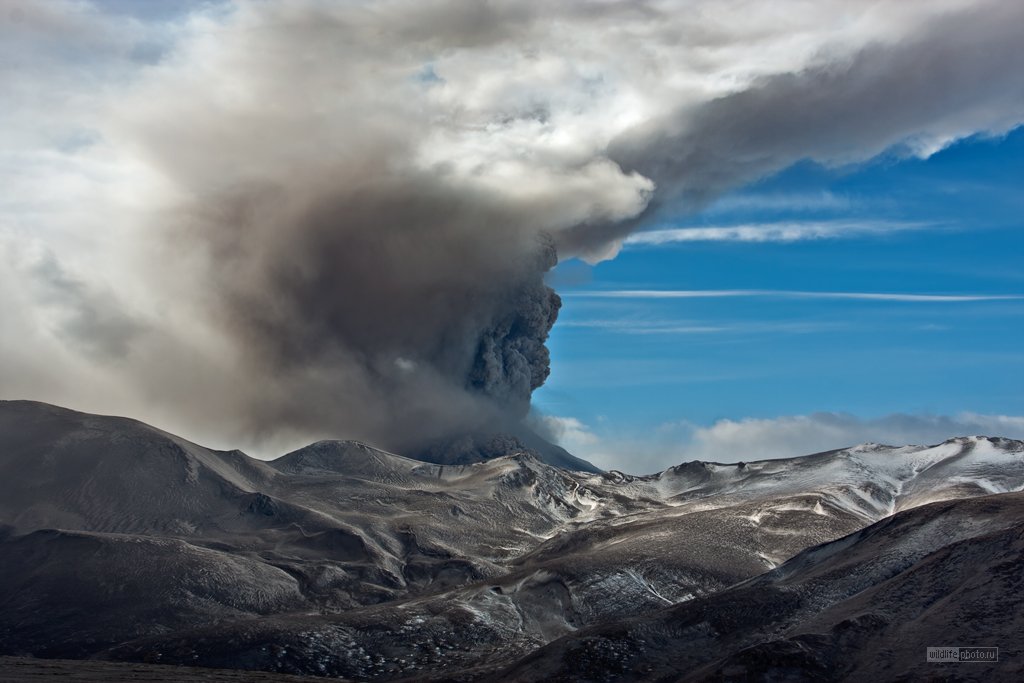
x,y
789,202
923,298
729,441
787,294
569,432
579,439
677,327
755,439
771,232
628,326
661,293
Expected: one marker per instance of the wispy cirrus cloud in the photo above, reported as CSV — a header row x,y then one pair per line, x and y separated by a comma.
x,y
801,202
630,326
788,294
670,327
772,232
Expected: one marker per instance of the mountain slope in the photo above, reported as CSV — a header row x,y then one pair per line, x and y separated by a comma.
x,y
65,469
68,593
860,608
500,439
345,560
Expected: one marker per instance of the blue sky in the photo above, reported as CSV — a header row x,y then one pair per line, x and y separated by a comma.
x,y
951,225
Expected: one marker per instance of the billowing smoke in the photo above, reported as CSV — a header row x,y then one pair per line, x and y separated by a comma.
x,y
263,223
371,262
386,309
511,358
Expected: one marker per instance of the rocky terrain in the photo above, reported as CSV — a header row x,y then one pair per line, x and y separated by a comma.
x,y
120,542
862,608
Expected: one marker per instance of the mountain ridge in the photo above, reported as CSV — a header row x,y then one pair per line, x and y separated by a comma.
x,y
369,565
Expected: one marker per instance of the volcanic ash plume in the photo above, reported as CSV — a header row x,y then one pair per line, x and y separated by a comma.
x,y
262,223
511,359
383,312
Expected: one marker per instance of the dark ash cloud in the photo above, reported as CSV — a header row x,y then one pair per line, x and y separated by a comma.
x,y
384,309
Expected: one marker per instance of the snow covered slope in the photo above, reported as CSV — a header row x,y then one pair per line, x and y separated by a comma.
x,y
861,608
870,480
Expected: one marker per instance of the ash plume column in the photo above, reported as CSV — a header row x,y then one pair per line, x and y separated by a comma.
x,y
512,359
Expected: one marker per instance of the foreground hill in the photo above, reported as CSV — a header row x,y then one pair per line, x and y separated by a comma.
x,y
123,541
862,608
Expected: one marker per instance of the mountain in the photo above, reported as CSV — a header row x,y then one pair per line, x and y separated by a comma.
x,y
120,541
471,447
63,469
862,608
